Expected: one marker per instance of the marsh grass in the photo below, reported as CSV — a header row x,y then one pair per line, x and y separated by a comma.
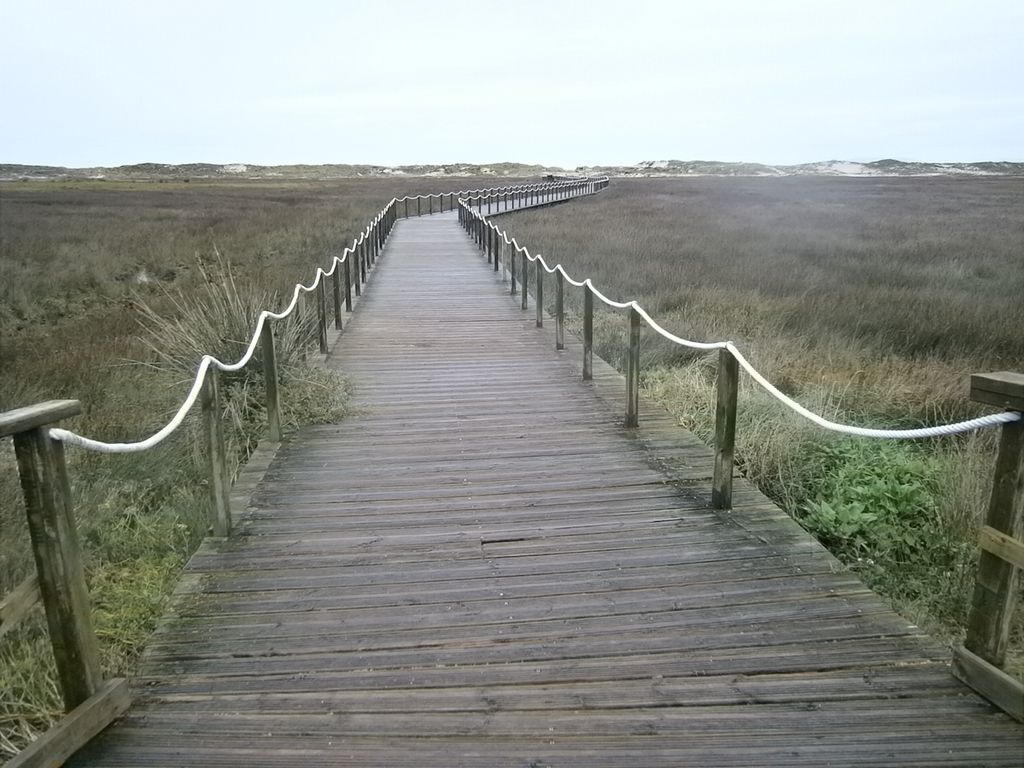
x,y
110,293
869,300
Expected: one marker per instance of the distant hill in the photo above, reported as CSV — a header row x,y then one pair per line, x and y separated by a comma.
x,y
160,171
826,168
648,168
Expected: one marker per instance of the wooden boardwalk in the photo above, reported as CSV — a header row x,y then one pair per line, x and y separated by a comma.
x,y
483,568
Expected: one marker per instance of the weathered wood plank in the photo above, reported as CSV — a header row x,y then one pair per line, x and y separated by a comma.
x,y
38,415
998,543
76,728
994,684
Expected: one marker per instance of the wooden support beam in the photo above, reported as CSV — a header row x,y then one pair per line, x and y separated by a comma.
x,y
538,291
321,315
1003,389
633,370
588,333
76,728
348,283
40,414
559,310
524,277
336,281
58,557
1008,549
216,454
996,585
1004,691
725,429
270,381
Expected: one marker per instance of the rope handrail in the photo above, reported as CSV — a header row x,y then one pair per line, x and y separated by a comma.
x,y
207,361
939,430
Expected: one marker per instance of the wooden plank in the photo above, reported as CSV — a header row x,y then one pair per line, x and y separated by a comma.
x,y
999,544
18,603
1003,389
38,415
76,728
991,682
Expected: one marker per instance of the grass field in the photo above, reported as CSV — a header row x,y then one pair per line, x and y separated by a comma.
x,y
78,262
869,300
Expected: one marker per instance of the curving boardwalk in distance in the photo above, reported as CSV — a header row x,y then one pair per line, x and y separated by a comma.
x,y
483,568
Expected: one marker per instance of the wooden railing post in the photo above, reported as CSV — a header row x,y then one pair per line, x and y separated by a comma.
x,y
979,663
559,310
497,253
216,455
538,291
588,333
512,271
348,281
725,429
430,202
321,315
55,547
524,278
269,354
363,247
336,289
633,370
407,207
419,212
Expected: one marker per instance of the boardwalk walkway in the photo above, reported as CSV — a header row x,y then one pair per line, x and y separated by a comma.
x,y
483,568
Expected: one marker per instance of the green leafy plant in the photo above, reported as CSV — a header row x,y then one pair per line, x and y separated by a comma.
x,y
875,507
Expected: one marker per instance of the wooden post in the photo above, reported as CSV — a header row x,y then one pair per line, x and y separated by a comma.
x,y
633,370
559,310
995,590
512,270
490,244
524,278
407,207
348,282
336,288
588,333
538,270
725,429
270,382
220,485
418,211
362,259
430,201
497,253
58,557
321,314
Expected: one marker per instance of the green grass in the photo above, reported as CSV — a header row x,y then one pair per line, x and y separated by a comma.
x,y
110,294
868,300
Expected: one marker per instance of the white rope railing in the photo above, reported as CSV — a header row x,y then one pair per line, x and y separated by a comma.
x,y
207,361
939,430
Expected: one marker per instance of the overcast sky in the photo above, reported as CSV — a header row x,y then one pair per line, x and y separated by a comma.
x,y
562,83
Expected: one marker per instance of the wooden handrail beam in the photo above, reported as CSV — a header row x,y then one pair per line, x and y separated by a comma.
x,y
38,415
